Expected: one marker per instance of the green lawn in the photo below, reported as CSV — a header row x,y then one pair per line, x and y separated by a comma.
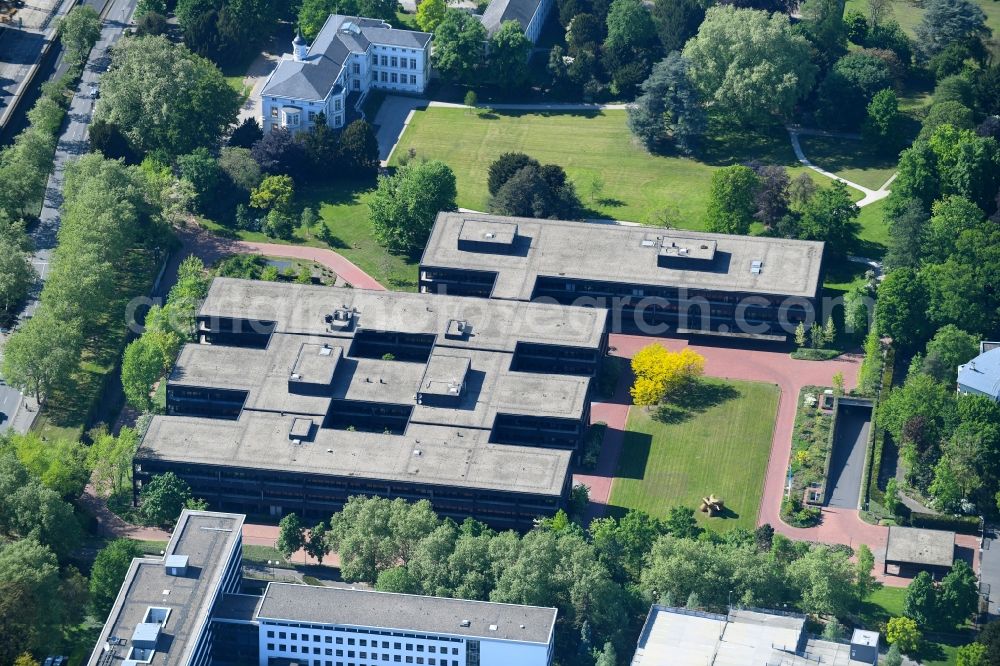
x,y
854,160
343,208
909,14
589,145
873,226
938,650
717,441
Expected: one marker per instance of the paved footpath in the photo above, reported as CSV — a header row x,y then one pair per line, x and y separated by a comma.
x,y
871,196
338,263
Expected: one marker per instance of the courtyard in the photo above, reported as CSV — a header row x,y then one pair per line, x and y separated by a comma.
x,y
714,439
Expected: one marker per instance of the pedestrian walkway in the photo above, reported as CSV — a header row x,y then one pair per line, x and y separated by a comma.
x,y
871,196
338,263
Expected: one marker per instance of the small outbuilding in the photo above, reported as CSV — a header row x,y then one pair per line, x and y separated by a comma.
x,y
912,549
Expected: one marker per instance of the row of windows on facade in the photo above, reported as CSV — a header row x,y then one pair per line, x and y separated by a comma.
x,y
389,61
407,659
442,501
363,642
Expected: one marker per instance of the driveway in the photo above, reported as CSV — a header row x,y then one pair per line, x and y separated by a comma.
x,y
989,573
847,462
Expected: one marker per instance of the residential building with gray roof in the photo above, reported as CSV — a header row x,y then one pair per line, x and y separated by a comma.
x,y
350,57
981,375
297,397
529,14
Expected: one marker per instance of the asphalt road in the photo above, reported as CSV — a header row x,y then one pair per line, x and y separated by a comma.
x,y
72,144
847,463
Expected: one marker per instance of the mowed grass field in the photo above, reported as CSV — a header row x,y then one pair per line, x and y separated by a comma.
x,y
909,14
637,186
717,440
857,161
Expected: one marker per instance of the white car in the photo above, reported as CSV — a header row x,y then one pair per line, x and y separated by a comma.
x,y
95,90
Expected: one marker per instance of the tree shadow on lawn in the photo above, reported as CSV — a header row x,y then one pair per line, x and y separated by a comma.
x,y
727,143
694,399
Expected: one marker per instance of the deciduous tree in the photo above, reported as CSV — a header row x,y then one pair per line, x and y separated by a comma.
x,y
108,573
42,354
904,634
731,196
508,55
730,67
405,204
430,13
79,30
458,46
164,97
163,498
660,372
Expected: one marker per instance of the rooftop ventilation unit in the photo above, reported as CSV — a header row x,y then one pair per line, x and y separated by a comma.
x,y
489,237
342,319
755,266
176,565
458,329
465,623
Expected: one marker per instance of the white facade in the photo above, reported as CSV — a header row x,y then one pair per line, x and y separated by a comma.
x,y
330,645
349,58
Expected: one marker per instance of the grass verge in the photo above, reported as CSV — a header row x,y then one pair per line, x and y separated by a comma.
x,y
715,439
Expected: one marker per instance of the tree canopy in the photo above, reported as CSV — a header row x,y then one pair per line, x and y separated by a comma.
x,y
405,204
164,97
737,53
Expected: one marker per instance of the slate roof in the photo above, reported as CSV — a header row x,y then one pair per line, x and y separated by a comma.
x,y
314,78
499,11
982,374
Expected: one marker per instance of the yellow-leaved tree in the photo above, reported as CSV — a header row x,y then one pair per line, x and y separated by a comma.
x,y
660,372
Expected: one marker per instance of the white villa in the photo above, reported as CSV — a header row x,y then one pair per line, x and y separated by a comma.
x,y
349,57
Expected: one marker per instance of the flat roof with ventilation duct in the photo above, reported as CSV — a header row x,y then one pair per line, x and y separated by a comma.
x,y
624,253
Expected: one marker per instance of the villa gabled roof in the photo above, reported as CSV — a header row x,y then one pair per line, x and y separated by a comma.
x,y
314,77
982,374
500,11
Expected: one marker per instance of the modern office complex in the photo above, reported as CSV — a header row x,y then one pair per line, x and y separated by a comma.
x,y
324,626
163,613
349,57
192,608
682,637
297,397
654,280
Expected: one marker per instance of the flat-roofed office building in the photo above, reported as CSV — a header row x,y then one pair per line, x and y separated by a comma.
x,y
653,280
163,612
192,607
297,397
336,626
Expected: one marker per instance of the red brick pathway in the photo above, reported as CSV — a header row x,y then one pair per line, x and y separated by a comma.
x,y
339,264
838,525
